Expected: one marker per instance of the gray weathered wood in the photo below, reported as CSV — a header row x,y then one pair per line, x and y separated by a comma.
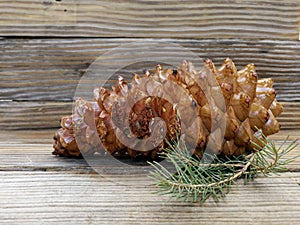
x,y
31,150
39,188
188,19
64,198
32,115
45,115
40,70
49,69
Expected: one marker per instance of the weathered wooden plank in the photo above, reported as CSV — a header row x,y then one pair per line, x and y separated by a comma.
x,y
26,138
60,198
65,195
34,115
31,150
289,119
16,138
45,115
49,69
157,19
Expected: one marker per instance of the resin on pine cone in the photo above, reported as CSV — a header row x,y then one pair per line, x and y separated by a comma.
x,y
127,112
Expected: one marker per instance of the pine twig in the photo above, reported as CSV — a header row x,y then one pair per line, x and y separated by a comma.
x,y
195,181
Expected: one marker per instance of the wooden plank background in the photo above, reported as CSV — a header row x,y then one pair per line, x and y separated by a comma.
x,y
158,19
39,76
45,49
49,69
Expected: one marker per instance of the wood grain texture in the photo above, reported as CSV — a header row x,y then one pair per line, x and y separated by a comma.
x,y
45,115
189,19
32,115
45,49
289,119
37,188
31,151
50,69
61,198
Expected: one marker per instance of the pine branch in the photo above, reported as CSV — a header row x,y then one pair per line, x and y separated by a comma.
x,y
196,181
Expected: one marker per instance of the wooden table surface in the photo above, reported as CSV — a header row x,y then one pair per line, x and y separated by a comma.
x,y
45,49
38,188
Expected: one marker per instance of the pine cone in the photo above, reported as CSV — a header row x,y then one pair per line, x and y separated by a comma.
x,y
127,112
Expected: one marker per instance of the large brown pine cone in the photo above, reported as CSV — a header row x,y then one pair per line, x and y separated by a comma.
x,y
125,115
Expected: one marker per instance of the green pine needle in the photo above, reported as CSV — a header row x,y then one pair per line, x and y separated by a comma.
x,y
196,181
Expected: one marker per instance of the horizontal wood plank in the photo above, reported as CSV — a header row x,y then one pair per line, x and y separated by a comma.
x,y
156,18
36,187
290,118
32,115
60,198
50,69
45,115
31,150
